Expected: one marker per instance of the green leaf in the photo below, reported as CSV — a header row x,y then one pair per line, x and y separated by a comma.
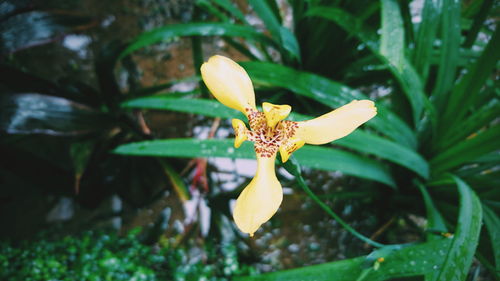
x,y
463,246
327,92
386,149
170,32
357,140
279,33
449,52
413,260
398,64
478,22
392,45
232,9
492,222
466,151
475,122
392,48
205,107
349,23
465,94
435,221
175,179
314,157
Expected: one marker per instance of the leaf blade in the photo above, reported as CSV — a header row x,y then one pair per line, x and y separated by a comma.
x,y
313,157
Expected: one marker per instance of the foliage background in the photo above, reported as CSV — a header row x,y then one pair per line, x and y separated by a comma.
x,y
424,172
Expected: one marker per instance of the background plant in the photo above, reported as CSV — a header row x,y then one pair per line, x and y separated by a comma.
x,y
430,152
436,127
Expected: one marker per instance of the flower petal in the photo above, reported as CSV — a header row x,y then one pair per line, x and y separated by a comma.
x,y
336,124
229,83
260,200
275,113
240,132
290,146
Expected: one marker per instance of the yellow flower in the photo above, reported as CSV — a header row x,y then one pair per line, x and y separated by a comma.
x,y
231,86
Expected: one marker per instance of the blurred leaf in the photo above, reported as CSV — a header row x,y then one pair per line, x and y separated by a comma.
x,y
426,35
175,179
280,33
33,28
392,48
478,22
327,92
350,23
39,114
463,152
19,81
465,94
386,149
9,7
392,45
232,9
397,62
205,107
474,122
80,155
463,246
315,157
492,222
170,32
435,221
449,52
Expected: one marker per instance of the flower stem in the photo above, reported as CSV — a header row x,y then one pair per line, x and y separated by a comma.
x,y
293,167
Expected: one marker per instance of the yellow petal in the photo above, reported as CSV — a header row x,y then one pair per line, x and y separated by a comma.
x,y
336,124
275,113
287,148
229,83
260,200
240,132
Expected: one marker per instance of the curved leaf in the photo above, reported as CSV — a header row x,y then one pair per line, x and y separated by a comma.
x,y
413,260
205,107
327,92
40,114
34,28
470,149
279,32
463,246
357,140
321,158
362,141
170,32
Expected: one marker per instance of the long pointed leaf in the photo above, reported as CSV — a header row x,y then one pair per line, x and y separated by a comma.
x,y
413,260
280,33
450,46
425,37
465,94
327,92
392,48
169,32
492,222
357,140
315,157
463,246
466,151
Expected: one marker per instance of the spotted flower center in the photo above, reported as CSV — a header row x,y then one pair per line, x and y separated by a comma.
x,y
267,140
